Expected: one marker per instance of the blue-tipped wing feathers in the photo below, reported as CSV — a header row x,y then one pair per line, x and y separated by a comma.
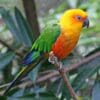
x,y
30,57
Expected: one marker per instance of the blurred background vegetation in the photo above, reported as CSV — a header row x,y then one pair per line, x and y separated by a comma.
x,y
18,30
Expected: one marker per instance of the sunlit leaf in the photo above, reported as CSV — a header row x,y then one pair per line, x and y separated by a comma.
x,y
26,34
86,71
9,21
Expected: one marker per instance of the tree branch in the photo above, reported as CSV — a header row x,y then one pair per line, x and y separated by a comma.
x,y
70,67
53,73
67,83
62,73
30,11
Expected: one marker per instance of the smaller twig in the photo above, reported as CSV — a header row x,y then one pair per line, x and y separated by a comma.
x,y
11,49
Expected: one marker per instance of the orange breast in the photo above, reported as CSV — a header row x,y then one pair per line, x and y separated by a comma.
x,y
64,45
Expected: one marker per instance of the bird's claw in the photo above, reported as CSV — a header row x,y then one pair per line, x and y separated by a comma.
x,y
52,58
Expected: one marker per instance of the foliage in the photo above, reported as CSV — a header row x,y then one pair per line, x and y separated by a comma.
x,y
82,80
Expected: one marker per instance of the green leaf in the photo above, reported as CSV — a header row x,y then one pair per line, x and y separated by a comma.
x,y
24,29
5,59
15,92
96,91
32,96
65,92
62,89
19,27
33,74
3,98
41,96
89,40
55,85
9,21
85,71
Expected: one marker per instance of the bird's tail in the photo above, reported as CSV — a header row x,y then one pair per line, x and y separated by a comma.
x,y
30,57
20,75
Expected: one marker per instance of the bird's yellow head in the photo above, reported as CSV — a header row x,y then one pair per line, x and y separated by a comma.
x,y
73,20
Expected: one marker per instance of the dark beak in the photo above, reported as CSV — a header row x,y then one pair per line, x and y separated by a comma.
x,y
86,23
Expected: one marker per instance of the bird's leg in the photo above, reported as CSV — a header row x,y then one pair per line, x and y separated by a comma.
x,y
54,60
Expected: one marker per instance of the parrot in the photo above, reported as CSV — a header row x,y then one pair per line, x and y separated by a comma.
x,y
59,38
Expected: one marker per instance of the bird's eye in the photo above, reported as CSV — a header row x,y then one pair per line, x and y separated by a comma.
x,y
78,17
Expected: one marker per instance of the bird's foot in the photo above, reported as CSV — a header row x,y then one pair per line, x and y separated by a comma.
x,y
54,60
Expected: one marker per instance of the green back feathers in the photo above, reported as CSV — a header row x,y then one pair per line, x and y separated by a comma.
x,y
47,38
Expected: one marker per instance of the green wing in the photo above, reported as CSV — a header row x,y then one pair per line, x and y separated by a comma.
x,y
43,44
47,38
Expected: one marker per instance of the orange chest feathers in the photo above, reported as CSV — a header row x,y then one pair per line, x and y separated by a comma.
x,y
65,44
